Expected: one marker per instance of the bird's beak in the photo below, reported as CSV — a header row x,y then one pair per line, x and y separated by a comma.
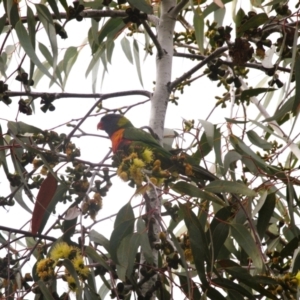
x,y
100,126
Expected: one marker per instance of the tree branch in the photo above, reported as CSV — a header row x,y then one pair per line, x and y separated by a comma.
x,y
186,75
229,63
177,9
56,96
160,50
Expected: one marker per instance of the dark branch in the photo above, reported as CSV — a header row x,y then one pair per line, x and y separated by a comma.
x,y
27,233
160,50
207,59
86,14
229,63
177,9
76,95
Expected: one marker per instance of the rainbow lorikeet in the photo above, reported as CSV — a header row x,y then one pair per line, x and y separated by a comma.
x,y
127,140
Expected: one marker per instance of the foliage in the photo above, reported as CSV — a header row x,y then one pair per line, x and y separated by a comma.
x,y
234,237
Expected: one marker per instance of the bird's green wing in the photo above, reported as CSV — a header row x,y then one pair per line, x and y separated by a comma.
x,y
139,135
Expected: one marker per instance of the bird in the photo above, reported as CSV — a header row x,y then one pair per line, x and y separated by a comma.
x,y
135,148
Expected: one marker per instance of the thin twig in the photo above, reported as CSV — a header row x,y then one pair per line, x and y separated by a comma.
x,y
56,96
229,63
177,9
160,50
186,75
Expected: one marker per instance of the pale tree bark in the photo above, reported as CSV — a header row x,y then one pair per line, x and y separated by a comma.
x,y
159,103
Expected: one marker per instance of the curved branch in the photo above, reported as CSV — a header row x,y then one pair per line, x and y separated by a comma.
x,y
160,50
56,96
186,75
229,63
177,9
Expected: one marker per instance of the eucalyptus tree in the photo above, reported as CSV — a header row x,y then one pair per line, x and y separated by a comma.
x,y
233,236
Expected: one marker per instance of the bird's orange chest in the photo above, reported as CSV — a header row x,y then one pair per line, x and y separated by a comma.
x,y
117,140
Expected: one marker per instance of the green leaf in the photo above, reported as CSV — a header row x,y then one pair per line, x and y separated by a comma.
x,y
38,74
17,191
3,152
141,5
254,92
198,21
94,61
209,130
136,56
54,8
246,241
123,226
111,28
124,257
222,186
285,109
272,3
256,140
127,49
184,286
110,46
289,248
244,277
47,21
253,22
45,51
228,284
219,236
69,226
133,245
64,4
290,197
229,161
103,291
213,7
32,33
144,240
70,57
14,14
265,214
70,267
296,104
91,253
45,291
185,188
22,128
204,147
198,242
247,153
28,48
2,22
100,239
217,148
3,67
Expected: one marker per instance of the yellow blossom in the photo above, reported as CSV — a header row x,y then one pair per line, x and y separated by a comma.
x,y
188,255
147,155
136,175
45,268
188,170
298,278
153,180
71,283
123,175
44,170
63,250
79,266
138,163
